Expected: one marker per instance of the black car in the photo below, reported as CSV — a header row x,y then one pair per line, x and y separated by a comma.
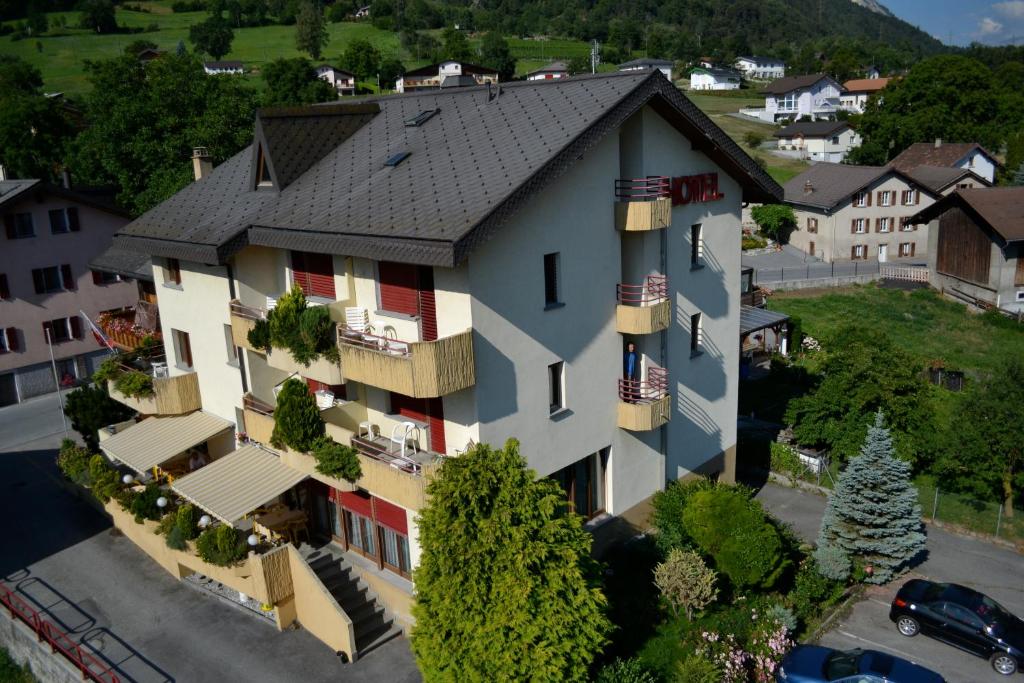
x,y
963,618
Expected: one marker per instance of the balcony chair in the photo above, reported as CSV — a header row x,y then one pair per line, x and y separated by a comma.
x,y
400,435
296,529
357,321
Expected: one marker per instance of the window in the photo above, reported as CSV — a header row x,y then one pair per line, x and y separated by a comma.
x,y
696,333
1020,295
788,102
62,329
858,225
53,279
883,225
910,197
907,248
835,139
885,198
399,287
64,220
906,225
812,224
313,273
19,225
963,615
172,272
551,263
584,483
556,387
963,186
102,277
263,171
8,340
182,348
359,531
859,251
862,199
5,289
696,245
395,551
230,344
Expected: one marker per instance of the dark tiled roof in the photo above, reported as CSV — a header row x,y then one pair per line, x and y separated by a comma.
x,y
938,178
927,154
646,63
762,60
9,189
433,69
223,65
716,72
124,262
470,167
553,67
782,86
97,198
811,129
1000,208
334,68
835,183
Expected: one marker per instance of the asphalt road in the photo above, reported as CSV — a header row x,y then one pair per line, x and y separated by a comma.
x,y
64,557
991,569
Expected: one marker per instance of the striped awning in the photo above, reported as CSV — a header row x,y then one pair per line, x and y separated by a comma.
x,y
156,440
238,483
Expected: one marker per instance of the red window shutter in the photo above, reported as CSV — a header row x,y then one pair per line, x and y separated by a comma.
x,y
66,277
76,327
9,226
435,422
12,339
879,197
407,406
391,516
878,225
913,248
73,224
427,304
97,279
868,193
398,288
358,502
853,252
853,225
917,198
38,281
313,273
5,290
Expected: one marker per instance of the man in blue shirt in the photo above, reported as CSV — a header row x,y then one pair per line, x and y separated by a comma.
x,y
631,373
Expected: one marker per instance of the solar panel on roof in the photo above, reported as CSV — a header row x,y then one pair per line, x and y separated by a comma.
x,y
396,159
420,118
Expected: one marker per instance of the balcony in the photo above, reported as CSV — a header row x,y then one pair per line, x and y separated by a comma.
x,y
243,319
418,369
127,327
644,406
643,204
176,395
259,419
643,309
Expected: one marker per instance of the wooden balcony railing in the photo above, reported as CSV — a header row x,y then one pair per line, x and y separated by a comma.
x,y
171,396
127,327
643,309
417,369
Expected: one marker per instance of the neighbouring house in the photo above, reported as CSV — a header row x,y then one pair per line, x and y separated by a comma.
x,y
976,246
872,73
943,180
228,67
966,155
819,140
461,316
549,72
646,64
342,81
761,68
858,213
48,293
363,12
702,78
149,54
793,97
444,75
858,91
126,328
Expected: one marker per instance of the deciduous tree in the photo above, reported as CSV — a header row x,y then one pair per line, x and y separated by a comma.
x,y
213,36
506,589
686,582
98,15
294,81
310,30
455,45
90,408
361,58
775,220
494,53
34,130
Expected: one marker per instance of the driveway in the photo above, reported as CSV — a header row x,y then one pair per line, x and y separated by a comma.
x,y
788,257
991,569
64,556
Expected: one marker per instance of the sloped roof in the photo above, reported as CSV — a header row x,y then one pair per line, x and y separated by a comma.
x,y
553,67
927,154
938,178
835,183
811,129
782,86
9,189
230,64
123,262
716,72
753,319
1001,209
470,167
433,69
868,85
98,198
647,63
761,60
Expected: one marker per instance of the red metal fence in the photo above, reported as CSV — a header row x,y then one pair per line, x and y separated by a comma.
x,y
643,189
91,667
654,290
654,389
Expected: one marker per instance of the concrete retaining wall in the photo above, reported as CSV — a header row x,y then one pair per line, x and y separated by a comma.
x,y
820,282
20,641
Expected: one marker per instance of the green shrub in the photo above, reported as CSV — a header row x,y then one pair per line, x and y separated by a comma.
x,y
753,139
781,614
697,669
187,521
73,461
124,496
316,333
734,530
297,421
103,479
286,319
109,370
144,506
134,383
259,335
753,242
832,562
812,592
337,460
305,331
784,460
221,545
625,671
90,408
166,524
176,539
667,516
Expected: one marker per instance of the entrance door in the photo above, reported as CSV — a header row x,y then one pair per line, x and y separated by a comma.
x,y
883,253
810,249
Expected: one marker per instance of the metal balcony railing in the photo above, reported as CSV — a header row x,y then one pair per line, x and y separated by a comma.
x,y
372,342
654,290
654,389
643,189
247,312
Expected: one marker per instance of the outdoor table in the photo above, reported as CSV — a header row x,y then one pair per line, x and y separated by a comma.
x,y
277,522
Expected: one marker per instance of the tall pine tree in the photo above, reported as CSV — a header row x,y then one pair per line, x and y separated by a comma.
x,y
873,515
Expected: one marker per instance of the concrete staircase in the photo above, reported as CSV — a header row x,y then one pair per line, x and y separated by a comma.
x,y
372,624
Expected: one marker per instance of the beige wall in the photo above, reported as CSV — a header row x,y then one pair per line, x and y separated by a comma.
x,y
26,311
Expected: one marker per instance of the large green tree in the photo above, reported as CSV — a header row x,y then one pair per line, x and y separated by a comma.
x,y
455,45
361,58
310,30
139,142
89,408
98,15
34,130
494,53
506,589
294,81
873,515
213,36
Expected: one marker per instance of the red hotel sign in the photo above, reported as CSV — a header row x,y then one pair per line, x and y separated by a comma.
x,y
690,189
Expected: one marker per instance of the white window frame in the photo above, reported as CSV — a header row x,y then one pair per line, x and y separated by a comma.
x,y
884,224
861,226
67,329
860,251
886,199
906,226
1020,295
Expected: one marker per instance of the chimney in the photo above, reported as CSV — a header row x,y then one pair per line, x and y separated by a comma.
x,y
808,187
202,164
65,178
938,143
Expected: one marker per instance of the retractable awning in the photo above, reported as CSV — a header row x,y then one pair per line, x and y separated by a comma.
x,y
238,483
753,319
156,440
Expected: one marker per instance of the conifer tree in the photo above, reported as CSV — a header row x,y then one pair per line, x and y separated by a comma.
x,y
873,515
506,589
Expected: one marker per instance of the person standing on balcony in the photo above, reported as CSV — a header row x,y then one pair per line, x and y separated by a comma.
x,y
630,373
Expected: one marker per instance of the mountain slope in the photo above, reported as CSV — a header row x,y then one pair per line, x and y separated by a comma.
x,y
874,6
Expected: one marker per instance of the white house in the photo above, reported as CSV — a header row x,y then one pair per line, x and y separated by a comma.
x,y
343,81
549,72
966,155
662,65
702,78
455,73
819,140
858,91
216,68
761,68
813,95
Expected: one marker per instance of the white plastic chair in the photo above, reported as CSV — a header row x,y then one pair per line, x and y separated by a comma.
x,y
400,435
357,319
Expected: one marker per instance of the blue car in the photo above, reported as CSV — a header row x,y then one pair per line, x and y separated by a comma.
x,y
814,664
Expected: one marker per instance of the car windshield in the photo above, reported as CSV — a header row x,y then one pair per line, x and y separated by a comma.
x,y
841,664
991,611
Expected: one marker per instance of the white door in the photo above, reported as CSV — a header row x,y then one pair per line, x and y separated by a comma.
x,y
883,252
